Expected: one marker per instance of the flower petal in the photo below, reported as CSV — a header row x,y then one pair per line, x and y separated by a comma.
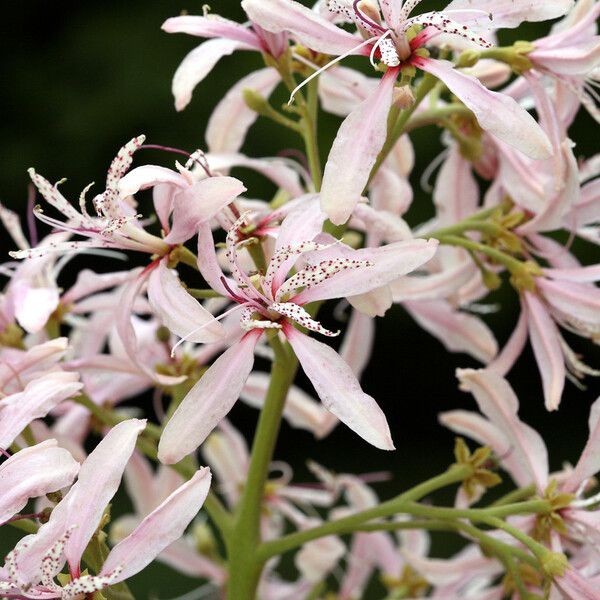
x,y
497,113
208,401
34,472
198,64
545,340
160,528
339,390
354,152
212,26
178,311
201,202
231,119
279,16
499,404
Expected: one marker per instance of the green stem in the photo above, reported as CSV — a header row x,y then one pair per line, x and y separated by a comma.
x,y
512,264
244,564
394,506
433,116
309,134
491,229
186,256
516,495
201,294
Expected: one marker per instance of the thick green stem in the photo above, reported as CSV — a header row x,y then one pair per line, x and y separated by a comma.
x,y
309,134
244,563
433,116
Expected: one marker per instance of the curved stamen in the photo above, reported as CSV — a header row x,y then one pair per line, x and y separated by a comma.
x,y
360,15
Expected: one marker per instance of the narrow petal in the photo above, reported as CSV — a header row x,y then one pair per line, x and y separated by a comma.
x,y
498,403
211,26
201,202
38,398
198,64
358,342
207,403
457,330
279,16
178,311
354,151
589,462
504,362
34,472
232,118
139,481
511,13
382,266
147,176
339,390
497,113
545,340
160,528
33,305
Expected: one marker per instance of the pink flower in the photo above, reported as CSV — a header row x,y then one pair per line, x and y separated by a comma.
x,y
330,271
362,135
36,560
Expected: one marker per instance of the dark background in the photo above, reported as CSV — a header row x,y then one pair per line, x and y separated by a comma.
x,y
81,78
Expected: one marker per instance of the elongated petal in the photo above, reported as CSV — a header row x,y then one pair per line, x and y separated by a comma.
x,y
484,432
457,330
497,113
575,274
456,194
503,363
33,305
385,264
160,528
34,472
358,341
232,118
545,340
211,26
139,481
511,13
339,390
589,462
147,176
199,203
99,478
208,401
354,151
498,403
178,311
198,64
38,398
279,16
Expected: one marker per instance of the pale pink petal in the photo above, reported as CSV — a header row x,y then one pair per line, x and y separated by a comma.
x,y
99,478
38,398
34,472
545,340
456,194
511,13
301,410
374,303
208,401
589,462
212,26
33,305
199,203
358,341
457,330
498,403
507,357
147,176
497,113
385,264
575,274
139,481
208,264
486,433
182,556
279,16
339,390
159,529
341,90
316,559
354,151
89,282
178,311
198,64
434,286
232,118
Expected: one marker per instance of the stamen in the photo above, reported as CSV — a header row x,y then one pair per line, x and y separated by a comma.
x,y
330,64
367,23
196,157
